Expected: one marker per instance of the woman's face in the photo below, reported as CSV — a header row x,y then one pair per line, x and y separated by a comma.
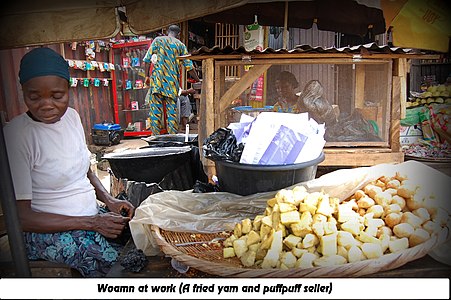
x,y
47,97
284,89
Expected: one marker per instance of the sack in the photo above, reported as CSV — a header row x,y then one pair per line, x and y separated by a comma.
x,y
415,115
439,122
313,102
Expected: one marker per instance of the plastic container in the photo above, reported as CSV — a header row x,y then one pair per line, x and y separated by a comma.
x,y
106,126
234,114
247,179
149,164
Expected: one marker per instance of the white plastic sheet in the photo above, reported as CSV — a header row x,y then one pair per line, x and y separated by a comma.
x,y
215,212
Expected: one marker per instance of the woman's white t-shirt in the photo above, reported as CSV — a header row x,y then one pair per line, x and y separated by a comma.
x,y
49,164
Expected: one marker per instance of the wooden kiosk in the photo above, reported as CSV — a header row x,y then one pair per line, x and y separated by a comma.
x,y
368,78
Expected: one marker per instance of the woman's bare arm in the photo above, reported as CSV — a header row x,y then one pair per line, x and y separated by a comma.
x,y
109,224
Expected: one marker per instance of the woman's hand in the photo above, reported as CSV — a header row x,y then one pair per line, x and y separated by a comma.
x,y
122,207
113,204
109,224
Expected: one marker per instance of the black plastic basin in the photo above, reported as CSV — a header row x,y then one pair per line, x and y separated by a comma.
x,y
171,140
148,164
247,179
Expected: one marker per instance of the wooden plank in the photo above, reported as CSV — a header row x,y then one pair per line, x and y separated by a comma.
x,y
386,110
359,90
361,158
358,150
290,61
358,144
220,75
305,55
240,86
207,122
395,124
403,74
208,91
399,67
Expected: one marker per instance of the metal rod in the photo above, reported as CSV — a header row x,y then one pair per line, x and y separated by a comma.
x,y
13,226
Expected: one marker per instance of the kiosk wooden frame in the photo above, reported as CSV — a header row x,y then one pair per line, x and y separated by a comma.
x,y
215,99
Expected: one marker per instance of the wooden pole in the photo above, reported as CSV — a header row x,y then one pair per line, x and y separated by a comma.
x,y
285,26
207,118
11,216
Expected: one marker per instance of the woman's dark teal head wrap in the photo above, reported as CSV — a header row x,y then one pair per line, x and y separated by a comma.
x,y
42,62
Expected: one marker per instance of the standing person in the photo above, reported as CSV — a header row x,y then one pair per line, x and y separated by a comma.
x,y
164,80
287,100
185,107
56,190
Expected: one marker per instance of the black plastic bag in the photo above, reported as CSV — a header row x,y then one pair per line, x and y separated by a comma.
x,y
351,128
222,145
202,187
135,260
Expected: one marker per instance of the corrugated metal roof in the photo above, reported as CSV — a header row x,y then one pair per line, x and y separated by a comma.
x,y
371,48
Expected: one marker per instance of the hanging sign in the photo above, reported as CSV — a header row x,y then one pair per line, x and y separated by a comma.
x,y
253,37
253,40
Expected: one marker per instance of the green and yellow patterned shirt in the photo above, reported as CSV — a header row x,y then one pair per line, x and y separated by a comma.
x,y
164,79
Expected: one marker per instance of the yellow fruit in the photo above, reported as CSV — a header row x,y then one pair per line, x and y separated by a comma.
x,y
441,88
432,88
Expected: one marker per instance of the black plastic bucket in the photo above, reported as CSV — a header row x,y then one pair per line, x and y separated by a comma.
x,y
149,164
247,179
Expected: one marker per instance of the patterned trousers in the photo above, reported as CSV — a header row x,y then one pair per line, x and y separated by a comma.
x,y
156,114
88,252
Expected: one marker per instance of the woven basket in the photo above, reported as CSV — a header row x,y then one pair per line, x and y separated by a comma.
x,y
209,258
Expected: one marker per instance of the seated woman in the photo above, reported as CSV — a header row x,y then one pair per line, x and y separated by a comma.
x,y
56,190
287,100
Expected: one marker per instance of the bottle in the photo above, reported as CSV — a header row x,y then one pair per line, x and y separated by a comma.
x,y
186,133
